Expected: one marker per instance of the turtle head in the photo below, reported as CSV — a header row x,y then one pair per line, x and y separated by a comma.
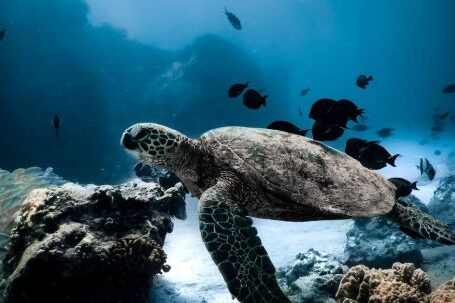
x,y
154,144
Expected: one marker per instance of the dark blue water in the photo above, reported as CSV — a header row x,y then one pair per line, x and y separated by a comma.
x,y
103,65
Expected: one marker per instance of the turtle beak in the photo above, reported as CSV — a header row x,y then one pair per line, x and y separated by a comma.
x,y
128,142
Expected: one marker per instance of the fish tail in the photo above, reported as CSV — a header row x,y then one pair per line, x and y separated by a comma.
x,y
414,185
370,78
392,159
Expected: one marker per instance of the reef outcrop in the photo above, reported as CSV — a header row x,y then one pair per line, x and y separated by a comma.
x,y
403,283
313,277
90,243
442,205
378,242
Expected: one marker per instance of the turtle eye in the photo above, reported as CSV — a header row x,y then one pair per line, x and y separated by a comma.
x,y
141,135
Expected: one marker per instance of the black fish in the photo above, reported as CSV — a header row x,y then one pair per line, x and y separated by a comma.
x,y
329,112
56,122
427,168
237,89
323,132
2,34
384,132
437,129
437,152
449,89
363,81
304,91
404,187
369,153
287,127
253,100
351,110
359,127
233,19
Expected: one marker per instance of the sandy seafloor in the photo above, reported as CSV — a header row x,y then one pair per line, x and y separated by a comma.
x,y
195,278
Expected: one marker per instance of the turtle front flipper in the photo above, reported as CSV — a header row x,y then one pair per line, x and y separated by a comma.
x,y
236,249
420,225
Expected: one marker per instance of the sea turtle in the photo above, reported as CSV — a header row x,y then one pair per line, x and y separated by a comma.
x,y
238,173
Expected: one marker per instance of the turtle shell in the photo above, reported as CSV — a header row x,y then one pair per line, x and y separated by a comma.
x,y
291,177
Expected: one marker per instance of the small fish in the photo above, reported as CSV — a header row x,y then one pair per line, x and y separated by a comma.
x,y
449,89
369,153
233,19
253,100
437,152
404,187
237,89
56,122
323,132
360,127
304,91
427,168
437,129
287,127
444,115
363,81
424,142
2,34
385,132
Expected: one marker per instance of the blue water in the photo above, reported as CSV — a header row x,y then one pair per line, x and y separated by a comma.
x,y
105,64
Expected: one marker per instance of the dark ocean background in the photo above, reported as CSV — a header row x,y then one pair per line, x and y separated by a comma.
x,y
102,65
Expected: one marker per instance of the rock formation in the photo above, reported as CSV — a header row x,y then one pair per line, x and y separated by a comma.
x,y
313,277
90,244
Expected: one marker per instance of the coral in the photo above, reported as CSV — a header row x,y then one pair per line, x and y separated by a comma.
x,y
75,240
401,284
444,294
312,277
16,185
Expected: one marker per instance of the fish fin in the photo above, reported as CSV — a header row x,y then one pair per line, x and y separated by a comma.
x,y
264,100
392,159
414,185
418,167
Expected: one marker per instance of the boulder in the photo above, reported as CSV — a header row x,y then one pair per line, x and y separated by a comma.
x,y
313,277
90,243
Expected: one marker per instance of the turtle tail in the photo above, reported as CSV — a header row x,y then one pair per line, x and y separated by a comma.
x,y
420,225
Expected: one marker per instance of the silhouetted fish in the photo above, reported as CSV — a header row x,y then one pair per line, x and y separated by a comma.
x,y
304,91
323,132
359,127
56,122
384,132
237,89
427,168
287,127
449,89
253,100
404,187
437,152
2,34
351,110
331,112
369,153
444,115
363,81
437,129
233,19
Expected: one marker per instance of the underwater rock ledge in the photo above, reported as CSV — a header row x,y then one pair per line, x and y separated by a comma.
x,y
90,243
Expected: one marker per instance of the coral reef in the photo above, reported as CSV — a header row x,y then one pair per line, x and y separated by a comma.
x,y
442,205
16,185
148,173
403,283
313,277
90,243
378,242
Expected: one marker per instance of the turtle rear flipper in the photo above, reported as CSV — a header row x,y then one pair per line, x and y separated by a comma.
x,y
418,224
236,249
